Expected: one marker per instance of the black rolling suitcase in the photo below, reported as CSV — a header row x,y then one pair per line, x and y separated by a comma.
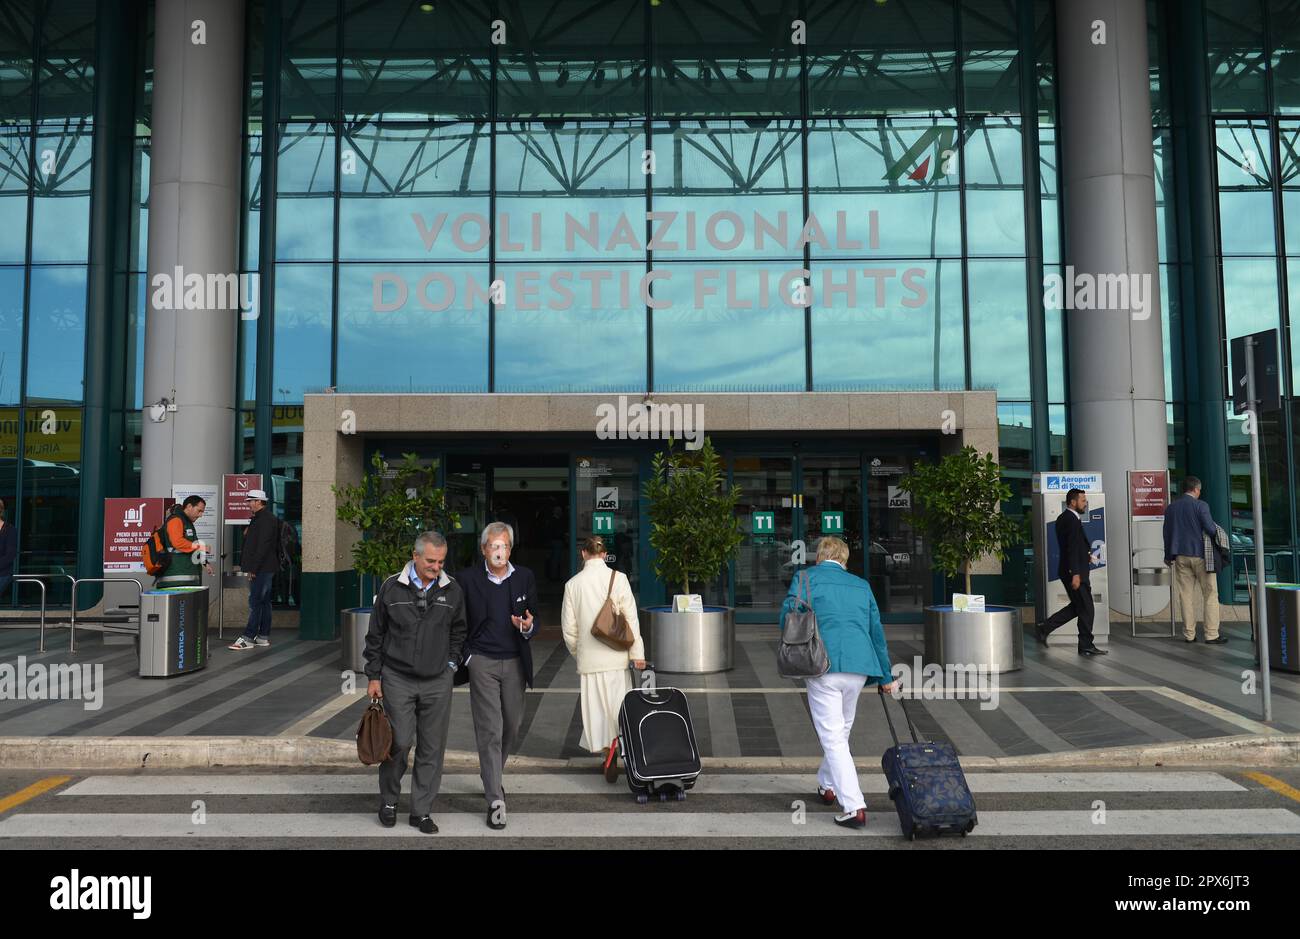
x,y
657,742
927,785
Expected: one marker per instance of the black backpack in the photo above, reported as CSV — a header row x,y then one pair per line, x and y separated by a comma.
x,y
287,546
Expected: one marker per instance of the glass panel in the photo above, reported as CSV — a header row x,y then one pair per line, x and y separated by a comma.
x,y
866,58
1054,322
995,201
1015,456
1171,324
17,49
1157,62
1162,146
1279,561
729,327
417,60
1050,195
833,484
1289,146
303,317
724,59
999,356
56,340
565,333
553,177
1250,300
136,310
763,560
1059,442
11,333
15,143
61,209
253,211
390,174
286,494
1245,187
140,248
1285,17
1235,35
51,499
596,474
310,60
66,85
433,340
248,362
901,174
1293,291
990,72
573,58
467,495
900,330
304,205
899,568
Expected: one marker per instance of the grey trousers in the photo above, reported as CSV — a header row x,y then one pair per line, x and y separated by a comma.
x,y
419,710
496,699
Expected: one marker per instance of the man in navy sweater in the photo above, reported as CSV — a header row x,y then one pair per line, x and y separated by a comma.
x,y
499,602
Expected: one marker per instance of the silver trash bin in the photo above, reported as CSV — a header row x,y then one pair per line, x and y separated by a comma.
x,y
173,631
353,626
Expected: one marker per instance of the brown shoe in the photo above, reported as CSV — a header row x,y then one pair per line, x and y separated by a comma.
x,y
827,796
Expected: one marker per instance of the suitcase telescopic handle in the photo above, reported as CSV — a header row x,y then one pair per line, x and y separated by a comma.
x,y
910,728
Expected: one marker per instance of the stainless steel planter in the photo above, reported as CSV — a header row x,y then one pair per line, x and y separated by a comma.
x,y
353,626
690,643
992,639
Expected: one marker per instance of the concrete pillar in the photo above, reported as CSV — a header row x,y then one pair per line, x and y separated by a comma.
x,y
194,202
1108,186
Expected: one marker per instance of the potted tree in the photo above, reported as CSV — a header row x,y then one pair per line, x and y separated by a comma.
x,y
958,510
390,507
694,533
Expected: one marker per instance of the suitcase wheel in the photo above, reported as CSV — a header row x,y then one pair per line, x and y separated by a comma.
x,y
642,798
663,796
681,795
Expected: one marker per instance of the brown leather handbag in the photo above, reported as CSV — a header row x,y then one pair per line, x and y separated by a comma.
x,y
374,735
611,626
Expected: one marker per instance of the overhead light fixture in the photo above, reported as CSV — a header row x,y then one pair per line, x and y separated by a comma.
x,y
426,7
743,73
563,78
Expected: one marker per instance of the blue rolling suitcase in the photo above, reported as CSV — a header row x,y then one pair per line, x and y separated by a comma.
x,y
927,785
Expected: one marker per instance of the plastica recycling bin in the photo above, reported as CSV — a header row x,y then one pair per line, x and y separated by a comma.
x,y
1283,618
173,631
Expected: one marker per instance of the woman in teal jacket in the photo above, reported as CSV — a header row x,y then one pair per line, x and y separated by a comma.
x,y
848,620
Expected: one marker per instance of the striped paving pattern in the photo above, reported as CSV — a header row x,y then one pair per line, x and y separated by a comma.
x,y
582,807
1146,691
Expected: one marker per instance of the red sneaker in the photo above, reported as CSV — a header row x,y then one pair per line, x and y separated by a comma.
x,y
826,795
856,819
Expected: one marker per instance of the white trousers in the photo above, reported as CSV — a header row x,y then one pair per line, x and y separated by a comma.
x,y
833,701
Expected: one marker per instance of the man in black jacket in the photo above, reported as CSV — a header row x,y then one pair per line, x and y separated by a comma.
x,y
1072,569
417,628
499,600
260,561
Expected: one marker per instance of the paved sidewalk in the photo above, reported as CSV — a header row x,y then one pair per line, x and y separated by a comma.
x,y
1146,691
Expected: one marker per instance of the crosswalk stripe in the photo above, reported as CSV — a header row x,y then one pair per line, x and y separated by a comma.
x,y
800,786
646,823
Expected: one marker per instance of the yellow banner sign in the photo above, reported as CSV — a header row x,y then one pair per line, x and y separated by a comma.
x,y
52,434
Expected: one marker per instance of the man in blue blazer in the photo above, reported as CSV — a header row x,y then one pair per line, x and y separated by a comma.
x,y
499,602
1187,522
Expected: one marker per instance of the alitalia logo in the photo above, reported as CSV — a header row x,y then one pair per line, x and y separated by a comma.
x,y
937,163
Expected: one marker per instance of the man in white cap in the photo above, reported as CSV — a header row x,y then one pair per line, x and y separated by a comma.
x,y
259,560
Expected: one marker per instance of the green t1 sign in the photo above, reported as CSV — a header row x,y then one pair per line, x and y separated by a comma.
x,y
602,523
764,523
832,523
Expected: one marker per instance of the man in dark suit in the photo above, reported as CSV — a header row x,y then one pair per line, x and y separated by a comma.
x,y
1072,569
499,601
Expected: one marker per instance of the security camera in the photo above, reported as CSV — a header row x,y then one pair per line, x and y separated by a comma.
x,y
158,412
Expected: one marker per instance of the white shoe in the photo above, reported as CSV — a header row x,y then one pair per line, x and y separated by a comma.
x,y
261,641
240,644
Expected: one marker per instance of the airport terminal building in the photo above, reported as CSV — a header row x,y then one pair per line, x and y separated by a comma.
x,y
277,236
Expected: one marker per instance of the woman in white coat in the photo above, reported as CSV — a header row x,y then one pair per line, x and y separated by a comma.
x,y
603,670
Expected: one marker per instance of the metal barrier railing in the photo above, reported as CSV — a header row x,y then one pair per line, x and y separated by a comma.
x,y
33,579
139,592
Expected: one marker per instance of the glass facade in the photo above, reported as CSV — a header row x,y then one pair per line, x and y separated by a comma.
x,y
869,209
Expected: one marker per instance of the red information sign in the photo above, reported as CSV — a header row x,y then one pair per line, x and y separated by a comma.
x,y
1148,493
235,488
128,523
